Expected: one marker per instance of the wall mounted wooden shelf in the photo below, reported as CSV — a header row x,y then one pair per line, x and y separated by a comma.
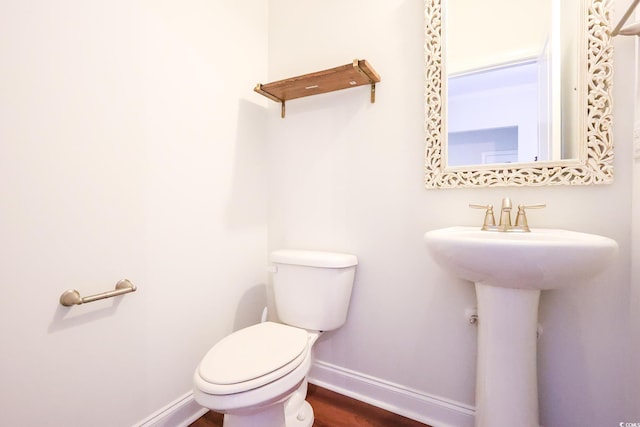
x,y
346,76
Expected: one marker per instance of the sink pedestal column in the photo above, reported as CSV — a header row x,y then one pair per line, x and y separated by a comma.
x,y
507,382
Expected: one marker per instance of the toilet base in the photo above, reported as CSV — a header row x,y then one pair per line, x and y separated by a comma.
x,y
304,417
273,416
294,411
298,412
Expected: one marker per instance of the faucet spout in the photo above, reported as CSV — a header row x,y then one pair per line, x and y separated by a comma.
x,y
505,214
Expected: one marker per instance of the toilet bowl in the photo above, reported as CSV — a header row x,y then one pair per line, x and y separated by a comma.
x,y
255,367
256,376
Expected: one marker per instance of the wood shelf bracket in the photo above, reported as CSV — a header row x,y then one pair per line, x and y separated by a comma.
x,y
357,73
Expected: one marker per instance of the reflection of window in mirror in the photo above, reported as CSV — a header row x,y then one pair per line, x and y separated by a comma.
x,y
483,105
502,59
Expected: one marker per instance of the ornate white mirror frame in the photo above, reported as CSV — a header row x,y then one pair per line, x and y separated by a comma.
x,y
595,162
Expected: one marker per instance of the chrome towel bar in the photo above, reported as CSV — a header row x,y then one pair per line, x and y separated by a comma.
x,y
72,297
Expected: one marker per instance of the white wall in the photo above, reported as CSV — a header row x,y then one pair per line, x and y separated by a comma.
x,y
347,175
130,146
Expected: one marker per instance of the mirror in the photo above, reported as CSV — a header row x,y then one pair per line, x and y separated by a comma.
x,y
562,63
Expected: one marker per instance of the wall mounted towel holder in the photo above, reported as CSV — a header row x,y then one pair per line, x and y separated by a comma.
x,y
72,297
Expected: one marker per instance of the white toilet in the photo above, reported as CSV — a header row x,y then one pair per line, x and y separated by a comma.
x,y
257,376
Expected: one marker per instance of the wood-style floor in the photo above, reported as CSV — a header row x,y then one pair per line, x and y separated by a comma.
x,y
334,410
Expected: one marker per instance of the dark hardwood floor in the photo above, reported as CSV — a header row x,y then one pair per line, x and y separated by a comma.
x,y
334,410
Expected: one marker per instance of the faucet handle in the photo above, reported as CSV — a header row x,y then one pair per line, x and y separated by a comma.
x,y
521,218
489,218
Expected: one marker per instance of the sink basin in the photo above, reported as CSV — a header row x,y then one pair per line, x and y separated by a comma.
x,y
540,259
509,271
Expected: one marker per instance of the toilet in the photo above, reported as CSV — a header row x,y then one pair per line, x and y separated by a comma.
x,y
257,376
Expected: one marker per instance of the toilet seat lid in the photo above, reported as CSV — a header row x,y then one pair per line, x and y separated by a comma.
x,y
254,353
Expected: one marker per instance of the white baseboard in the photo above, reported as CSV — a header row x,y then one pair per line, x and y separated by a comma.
x,y
179,413
414,404
432,410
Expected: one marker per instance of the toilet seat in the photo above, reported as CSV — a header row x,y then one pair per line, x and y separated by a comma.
x,y
252,357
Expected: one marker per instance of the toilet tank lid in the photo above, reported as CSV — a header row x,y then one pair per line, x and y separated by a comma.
x,y
313,258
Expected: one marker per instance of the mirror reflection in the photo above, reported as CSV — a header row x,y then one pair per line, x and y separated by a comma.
x,y
512,80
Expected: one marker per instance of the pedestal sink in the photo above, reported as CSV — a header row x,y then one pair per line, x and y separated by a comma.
x,y
509,270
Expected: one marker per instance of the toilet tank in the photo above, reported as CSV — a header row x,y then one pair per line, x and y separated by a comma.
x,y
312,289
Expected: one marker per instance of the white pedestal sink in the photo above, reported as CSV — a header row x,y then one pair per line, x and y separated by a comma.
x,y
509,271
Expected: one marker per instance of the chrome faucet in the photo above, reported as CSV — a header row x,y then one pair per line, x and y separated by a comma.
x,y
505,224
